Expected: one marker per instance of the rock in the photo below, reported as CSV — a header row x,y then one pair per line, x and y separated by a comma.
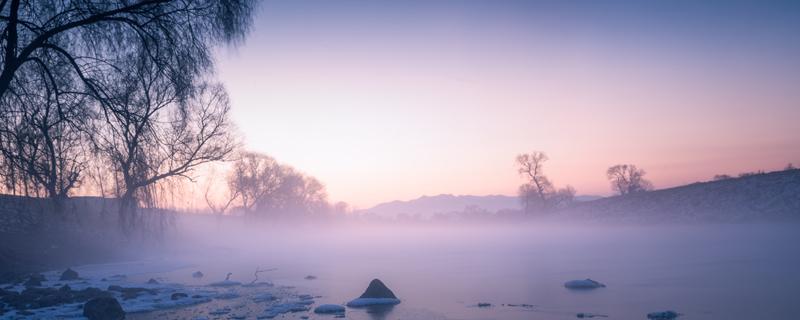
x,y
376,294
197,274
65,288
377,289
484,304
178,295
583,284
152,281
663,315
35,280
104,308
310,277
329,309
69,275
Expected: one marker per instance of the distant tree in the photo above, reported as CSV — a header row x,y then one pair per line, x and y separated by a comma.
x,y
538,193
751,173
266,187
255,178
220,204
628,179
563,197
721,177
341,207
538,187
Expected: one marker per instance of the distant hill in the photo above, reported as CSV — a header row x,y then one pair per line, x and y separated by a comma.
x,y
773,196
427,206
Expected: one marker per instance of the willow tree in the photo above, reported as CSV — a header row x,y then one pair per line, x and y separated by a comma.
x,y
154,128
43,138
93,35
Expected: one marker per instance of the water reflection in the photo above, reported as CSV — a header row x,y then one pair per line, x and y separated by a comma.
x,y
379,312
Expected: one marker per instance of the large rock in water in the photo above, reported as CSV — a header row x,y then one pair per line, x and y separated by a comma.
x,y
69,275
583,284
376,294
103,308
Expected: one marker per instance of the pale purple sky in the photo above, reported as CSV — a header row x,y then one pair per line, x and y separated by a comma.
x,y
393,100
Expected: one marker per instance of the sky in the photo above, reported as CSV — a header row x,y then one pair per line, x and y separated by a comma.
x,y
392,100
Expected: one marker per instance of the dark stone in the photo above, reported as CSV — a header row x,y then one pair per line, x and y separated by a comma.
x,y
35,280
69,275
65,288
484,304
377,289
152,281
35,298
104,308
197,274
310,277
178,295
663,315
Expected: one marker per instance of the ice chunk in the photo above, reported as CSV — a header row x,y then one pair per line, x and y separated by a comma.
x,y
263,297
663,315
329,308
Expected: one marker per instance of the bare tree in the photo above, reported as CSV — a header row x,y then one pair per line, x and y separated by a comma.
x,y
628,179
563,197
255,178
43,134
224,200
538,188
155,128
265,187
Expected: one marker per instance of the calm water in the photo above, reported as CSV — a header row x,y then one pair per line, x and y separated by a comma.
x,y
710,272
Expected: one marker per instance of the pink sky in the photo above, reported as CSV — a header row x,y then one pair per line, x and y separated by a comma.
x,y
385,106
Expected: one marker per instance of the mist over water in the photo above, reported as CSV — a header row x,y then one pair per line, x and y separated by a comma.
x,y
444,271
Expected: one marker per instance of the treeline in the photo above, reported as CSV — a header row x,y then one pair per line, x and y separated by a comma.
x,y
539,195
258,185
116,97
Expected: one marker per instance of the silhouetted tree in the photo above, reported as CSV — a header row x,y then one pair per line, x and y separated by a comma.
x,y
721,177
43,134
627,179
155,128
539,192
266,187
563,197
223,201
536,191
255,178
92,36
